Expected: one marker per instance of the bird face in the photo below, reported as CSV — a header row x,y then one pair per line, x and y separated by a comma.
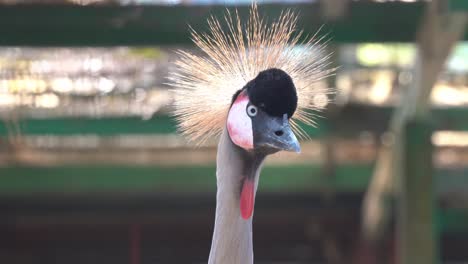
x,y
258,120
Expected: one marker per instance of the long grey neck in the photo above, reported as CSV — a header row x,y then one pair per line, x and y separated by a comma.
x,y
232,237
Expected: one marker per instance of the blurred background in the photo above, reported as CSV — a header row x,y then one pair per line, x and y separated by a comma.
x,y
92,169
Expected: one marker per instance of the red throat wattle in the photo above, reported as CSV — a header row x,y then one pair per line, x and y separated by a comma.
x,y
247,198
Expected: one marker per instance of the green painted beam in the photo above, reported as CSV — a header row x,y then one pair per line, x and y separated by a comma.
x,y
458,5
81,179
160,124
452,220
99,126
19,180
443,119
356,117
64,25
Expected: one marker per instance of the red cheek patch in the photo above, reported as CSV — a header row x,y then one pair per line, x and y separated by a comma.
x,y
239,124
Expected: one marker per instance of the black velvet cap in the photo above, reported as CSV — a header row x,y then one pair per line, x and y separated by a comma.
x,y
274,92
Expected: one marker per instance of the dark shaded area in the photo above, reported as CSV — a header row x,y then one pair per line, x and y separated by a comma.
x,y
297,228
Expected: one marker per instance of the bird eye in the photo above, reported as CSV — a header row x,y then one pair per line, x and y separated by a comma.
x,y
252,110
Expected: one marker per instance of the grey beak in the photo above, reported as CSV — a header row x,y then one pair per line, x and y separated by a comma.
x,y
275,134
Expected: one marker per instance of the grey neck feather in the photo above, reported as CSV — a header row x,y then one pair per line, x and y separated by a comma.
x,y
232,236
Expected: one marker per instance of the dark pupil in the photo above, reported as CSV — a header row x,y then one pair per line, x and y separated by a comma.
x,y
252,110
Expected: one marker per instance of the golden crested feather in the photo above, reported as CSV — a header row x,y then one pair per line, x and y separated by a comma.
x,y
233,55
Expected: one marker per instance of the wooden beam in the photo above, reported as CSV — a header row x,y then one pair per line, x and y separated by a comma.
x,y
439,32
334,9
417,231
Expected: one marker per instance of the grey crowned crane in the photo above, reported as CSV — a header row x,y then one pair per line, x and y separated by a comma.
x,y
250,86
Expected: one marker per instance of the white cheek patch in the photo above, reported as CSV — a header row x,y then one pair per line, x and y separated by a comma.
x,y
239,124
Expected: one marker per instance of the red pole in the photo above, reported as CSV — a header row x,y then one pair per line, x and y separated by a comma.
x,y
135,244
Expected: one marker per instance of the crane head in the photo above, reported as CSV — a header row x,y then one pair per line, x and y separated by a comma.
x,y
261,58
258,119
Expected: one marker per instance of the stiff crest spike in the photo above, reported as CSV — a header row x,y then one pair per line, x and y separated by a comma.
x,y
203,85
